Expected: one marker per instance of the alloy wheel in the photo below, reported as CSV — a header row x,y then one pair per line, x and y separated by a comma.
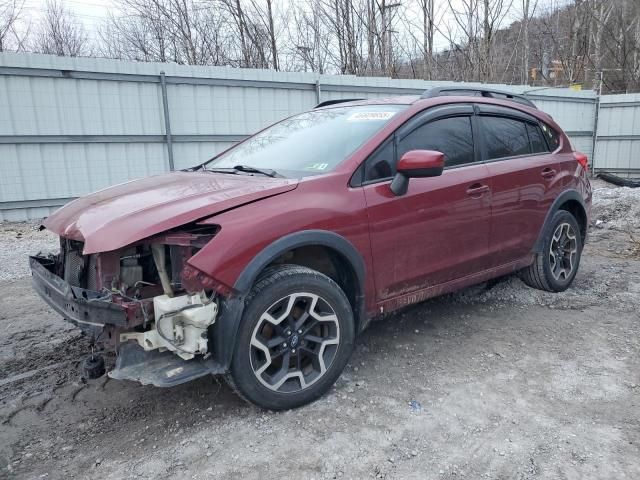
x,y
563,251
294,342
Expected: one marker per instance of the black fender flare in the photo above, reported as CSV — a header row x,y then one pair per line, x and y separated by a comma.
x,y
225,329
564,197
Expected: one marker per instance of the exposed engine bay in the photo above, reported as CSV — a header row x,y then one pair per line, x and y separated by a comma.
x,y
145,293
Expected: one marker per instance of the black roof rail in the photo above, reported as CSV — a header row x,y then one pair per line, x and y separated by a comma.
x,y
341,100
477,92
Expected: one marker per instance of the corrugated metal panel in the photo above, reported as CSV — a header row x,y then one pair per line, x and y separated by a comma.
x,y
38,172
71,105
582,144
190,154
618,135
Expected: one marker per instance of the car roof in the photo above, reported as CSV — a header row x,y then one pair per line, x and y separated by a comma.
x,y
475,91
397,100
439,100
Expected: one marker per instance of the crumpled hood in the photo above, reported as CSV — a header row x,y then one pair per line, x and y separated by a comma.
x,y
117,216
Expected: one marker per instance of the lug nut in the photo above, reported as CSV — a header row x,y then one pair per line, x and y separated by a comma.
x,y
300,331
288,332
293,351
284,344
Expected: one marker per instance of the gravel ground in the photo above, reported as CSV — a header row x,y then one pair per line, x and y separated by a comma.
x,y
497,381
17,241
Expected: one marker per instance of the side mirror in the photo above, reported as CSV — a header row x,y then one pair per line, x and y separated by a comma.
x,y
416,164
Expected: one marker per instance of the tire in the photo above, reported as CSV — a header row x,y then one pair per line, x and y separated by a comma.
x,y
556,266
295,338
93,366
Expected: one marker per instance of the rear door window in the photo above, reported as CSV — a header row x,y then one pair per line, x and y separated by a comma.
x,y
452,136
504,137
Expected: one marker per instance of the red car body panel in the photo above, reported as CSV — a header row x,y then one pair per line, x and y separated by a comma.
x,y
521,198
434,233
314,207
120,215
471,223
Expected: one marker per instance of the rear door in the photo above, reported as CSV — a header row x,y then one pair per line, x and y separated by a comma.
x,y
524,177
439,230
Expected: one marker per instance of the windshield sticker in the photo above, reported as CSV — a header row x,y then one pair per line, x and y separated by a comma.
x,y
318,166
365,116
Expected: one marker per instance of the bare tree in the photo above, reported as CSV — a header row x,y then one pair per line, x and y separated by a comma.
x,y
528,10
308,38
493,16
601,12
427,8
10,12
59,33
573,41
182,31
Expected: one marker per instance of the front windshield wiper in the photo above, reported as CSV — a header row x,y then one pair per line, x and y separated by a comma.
x,y
250,169
245,169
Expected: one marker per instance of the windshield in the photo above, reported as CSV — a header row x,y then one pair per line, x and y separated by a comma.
x,y
311,143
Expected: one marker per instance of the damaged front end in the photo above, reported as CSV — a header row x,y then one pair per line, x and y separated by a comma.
x,y
144,301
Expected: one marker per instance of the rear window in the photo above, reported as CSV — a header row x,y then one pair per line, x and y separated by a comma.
x,y
504,137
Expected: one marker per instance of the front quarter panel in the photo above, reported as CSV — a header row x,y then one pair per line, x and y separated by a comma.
x,y
323,203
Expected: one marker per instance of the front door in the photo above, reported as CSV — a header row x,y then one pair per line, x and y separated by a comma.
x,y
439,230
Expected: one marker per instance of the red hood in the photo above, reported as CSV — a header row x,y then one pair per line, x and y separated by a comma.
x,y
125,213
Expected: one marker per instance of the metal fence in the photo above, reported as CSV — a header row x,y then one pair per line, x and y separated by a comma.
x,y
69,126
618,135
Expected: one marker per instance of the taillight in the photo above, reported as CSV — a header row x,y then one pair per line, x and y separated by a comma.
x,y
582,159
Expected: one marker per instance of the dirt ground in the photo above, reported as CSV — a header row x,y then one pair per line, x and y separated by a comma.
x,y
498,381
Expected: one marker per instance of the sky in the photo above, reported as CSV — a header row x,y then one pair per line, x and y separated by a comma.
x,y
90,12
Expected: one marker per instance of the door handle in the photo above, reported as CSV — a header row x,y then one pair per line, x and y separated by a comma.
x,y
477,189
548,173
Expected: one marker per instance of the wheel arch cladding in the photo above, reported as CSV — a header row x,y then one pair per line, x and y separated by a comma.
x,y
575,208
572,202
346,259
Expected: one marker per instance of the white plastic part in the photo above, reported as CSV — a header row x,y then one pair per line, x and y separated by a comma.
x,y
183,321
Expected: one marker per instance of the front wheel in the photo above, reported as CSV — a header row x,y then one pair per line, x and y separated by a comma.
x,y
556,266
296,336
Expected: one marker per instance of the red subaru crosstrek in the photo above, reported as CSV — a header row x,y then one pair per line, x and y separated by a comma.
x,y
264,263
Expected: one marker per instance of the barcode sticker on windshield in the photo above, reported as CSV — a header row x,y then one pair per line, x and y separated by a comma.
x,y
364,116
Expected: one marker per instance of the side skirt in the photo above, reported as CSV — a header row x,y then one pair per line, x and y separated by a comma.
x,y
451,286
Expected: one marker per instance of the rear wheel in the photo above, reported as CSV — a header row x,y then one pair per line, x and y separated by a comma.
x,y
296,335
556,266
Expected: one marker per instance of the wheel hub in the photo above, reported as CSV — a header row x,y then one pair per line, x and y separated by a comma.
x,y
563,251
294,342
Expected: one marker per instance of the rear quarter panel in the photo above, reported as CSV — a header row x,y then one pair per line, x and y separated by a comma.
x,y
574,177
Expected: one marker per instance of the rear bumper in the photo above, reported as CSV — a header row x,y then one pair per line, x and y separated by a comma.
x,y
84,308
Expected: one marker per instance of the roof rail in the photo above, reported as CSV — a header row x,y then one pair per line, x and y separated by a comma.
x,y
477,92
333,102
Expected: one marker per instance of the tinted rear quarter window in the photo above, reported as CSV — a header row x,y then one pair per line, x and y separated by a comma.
x,y
452,136
504,137
538,143
553,137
